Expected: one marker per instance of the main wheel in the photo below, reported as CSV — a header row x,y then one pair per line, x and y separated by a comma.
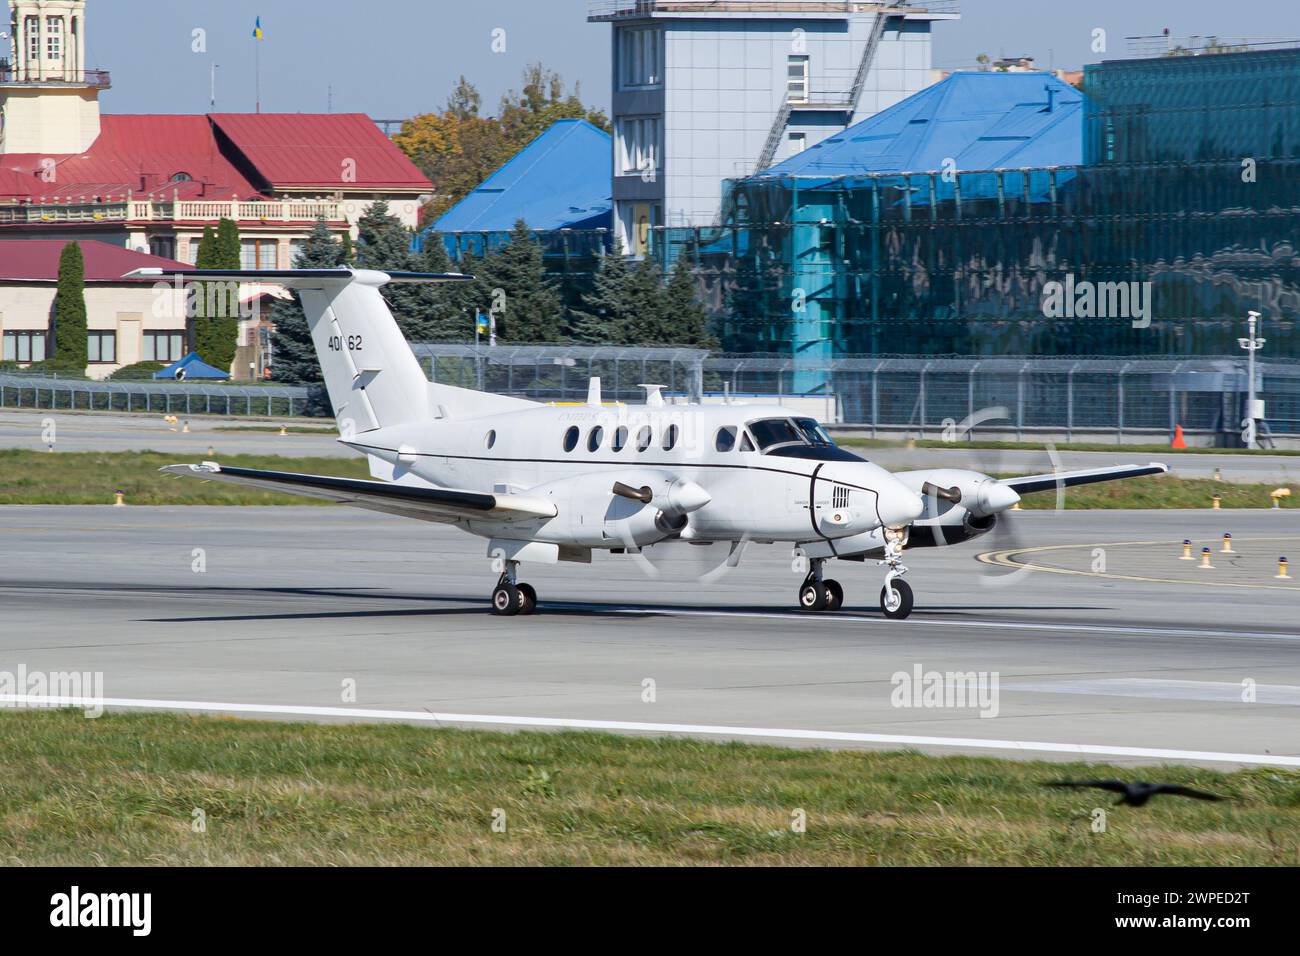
x,y
505,600
835,595
527,598
813,596
896,599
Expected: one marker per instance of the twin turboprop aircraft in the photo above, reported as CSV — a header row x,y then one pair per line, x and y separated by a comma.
x,y
546,483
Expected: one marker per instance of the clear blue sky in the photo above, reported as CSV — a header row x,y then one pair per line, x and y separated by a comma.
x,y
394,58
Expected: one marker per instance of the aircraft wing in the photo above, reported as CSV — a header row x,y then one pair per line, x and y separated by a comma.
x,y
1069,479
409,501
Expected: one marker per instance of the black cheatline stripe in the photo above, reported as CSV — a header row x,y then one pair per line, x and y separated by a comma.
x,y
629,464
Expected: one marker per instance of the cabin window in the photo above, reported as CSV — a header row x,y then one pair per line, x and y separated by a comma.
x,y
643,438
745,443
594,438
571,438
670,437
725,439
620,438
490,439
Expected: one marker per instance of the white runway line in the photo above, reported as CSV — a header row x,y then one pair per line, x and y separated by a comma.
x,y
1283,695
920,620
423,716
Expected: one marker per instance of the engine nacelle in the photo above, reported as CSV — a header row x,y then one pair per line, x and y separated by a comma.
x,y
954,526
652,506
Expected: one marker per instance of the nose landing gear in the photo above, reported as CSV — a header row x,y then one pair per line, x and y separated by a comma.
x,y
896,595
511,597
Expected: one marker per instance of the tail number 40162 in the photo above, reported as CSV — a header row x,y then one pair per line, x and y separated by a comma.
x,y
353,343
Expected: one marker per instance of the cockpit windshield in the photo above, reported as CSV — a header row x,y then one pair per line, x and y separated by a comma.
x,y
814,432
771,432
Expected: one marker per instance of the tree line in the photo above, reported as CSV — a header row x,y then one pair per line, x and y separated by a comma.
x,y
623,303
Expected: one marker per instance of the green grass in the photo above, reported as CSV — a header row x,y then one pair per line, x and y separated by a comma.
x,y
1145,449
90,478
123,789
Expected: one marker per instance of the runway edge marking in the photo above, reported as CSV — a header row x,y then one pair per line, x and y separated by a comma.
x,y
424,716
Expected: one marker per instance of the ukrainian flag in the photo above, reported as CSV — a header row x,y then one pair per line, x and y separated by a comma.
x,y
257,29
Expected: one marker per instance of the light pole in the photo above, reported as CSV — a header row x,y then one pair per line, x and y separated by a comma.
x,y
1254,408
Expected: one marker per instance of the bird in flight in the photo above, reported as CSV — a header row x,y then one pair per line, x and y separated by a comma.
x,y
1137,794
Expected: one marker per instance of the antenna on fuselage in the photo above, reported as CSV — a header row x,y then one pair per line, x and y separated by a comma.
x,y
652,397
593,391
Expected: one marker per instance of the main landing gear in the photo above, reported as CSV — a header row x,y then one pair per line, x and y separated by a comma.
x,y
512,597
822,594
818,594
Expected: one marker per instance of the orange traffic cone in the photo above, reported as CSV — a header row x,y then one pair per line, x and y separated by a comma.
x,y
1178,441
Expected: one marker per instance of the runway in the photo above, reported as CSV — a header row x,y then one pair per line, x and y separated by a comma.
x,y
278,612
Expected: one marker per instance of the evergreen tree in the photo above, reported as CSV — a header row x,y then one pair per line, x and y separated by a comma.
x,y
513,282
684,311
645,321
384,244
216,313
70,350
605,308
294,359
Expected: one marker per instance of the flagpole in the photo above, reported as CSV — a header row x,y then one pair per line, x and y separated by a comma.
x,y
257,72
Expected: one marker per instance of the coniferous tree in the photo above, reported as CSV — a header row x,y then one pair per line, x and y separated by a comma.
x,y
70,349
513,282
684,311
603,316
294,359
383,243
216,312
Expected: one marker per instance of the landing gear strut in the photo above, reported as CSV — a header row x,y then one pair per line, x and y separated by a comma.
x,y
896,595
511,597
818,594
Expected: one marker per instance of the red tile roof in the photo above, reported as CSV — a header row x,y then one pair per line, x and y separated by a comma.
x,y
140,154
37,260
224,155
314,149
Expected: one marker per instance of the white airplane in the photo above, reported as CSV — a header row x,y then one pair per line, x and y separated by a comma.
x,y
548,482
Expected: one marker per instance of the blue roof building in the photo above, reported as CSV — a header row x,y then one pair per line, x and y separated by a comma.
x,y
968,121
561,180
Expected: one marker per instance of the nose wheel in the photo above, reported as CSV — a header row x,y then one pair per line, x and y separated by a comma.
x,y
896,595
510,597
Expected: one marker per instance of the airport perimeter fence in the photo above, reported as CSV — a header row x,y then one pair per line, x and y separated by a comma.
x,y
909,393
20,390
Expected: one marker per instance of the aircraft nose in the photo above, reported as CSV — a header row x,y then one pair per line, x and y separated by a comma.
x,y
898,505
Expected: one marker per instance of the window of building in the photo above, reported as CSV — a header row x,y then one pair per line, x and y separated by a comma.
x,y
32,30
796,83
164,346
101,347
54,38
164,246
257,253
640,144
571,438
25,346
640,57
798,143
